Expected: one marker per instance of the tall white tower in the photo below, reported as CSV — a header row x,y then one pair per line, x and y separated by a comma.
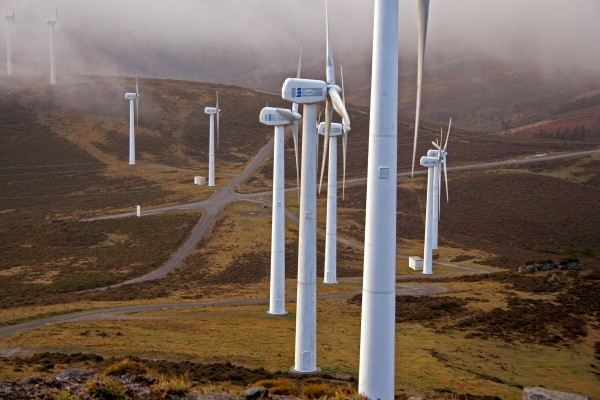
x,y
330,275
131,97
377,335
278,118
431,162
307,92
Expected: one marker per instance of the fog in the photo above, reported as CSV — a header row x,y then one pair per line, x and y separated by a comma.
x,y
256,42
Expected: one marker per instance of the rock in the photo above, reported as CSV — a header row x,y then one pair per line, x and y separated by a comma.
x,y
538,393
256,392
343,377
74,373
32,380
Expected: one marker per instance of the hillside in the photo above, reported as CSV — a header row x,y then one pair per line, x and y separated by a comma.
x,y
63,157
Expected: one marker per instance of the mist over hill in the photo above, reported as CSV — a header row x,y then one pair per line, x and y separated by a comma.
x,y
491,65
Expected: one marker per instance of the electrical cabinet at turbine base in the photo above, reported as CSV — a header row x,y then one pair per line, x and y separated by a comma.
x,y
199,180
415,263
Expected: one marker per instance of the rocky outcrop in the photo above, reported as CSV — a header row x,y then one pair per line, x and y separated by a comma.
x,y
571,265
539,393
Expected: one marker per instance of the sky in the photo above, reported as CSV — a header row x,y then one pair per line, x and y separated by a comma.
x,y
255,42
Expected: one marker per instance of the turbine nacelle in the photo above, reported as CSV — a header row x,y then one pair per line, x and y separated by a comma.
x,y
304,91
210,110
52,23
336,129
272,116
432,153
429,161
130,96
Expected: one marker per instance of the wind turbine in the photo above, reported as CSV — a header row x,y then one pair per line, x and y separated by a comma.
x,y
334,101
133,119
10,25
278,118
335,131
435,161
212,111
53,27
431,162
423,11
307,92
378,325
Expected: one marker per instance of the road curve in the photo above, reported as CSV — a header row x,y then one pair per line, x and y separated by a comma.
x,y
403,289
211,209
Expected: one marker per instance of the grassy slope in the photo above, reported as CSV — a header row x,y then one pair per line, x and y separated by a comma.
x,y
85,115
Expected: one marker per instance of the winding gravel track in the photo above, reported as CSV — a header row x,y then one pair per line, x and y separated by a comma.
x,y
225,195
404,289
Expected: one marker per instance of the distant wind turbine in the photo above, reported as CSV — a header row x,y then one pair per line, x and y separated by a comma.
x,y
278,118
133,119
212,111
307,92
53,29
10,25
435,161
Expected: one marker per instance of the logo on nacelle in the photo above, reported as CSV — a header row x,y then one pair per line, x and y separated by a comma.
x,y
300,92
274,117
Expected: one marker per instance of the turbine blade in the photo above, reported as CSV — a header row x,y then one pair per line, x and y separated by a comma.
x,y
328,119
436,145
137,102
295,136
295,105
423,6
217,107
329,66
343,93
287,114
339,107
344,152
299,62
446,179
448,134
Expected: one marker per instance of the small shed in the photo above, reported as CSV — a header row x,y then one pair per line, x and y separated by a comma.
x,y
199,180
415,263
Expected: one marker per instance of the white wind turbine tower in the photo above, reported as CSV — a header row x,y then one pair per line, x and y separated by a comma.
x,y
307,92
53,29
10,26
133,119
434,162
212,111
336,130
377,339
334,101
278,118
